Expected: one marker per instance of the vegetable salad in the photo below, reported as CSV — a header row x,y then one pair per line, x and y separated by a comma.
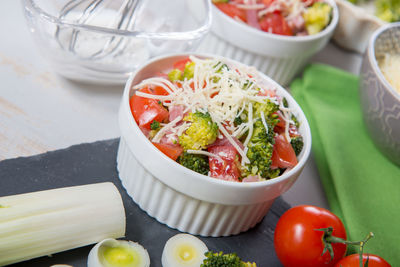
x,y
386,10
284,17
218,119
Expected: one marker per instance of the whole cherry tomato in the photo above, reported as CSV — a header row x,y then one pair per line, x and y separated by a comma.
x,y
353,260
298,242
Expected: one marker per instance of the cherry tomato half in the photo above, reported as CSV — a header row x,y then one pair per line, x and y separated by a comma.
x,y
353,260
147,110
283,155
225,168
173,151
180,65
298,243
275,23
232,11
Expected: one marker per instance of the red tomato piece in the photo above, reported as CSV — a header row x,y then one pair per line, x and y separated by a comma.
x,y
353,260
228,167
173,151
146,110
297,243
268,2
158,90
281,126
232,11
275,23
283,155
267,92
281,123
180,65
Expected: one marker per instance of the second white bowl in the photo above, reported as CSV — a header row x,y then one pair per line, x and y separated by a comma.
x,y
280,57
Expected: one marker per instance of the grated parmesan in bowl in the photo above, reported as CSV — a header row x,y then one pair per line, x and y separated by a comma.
x,y
390,67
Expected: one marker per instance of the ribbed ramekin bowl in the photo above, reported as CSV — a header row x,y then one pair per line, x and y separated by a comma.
x,y
280,57
186,200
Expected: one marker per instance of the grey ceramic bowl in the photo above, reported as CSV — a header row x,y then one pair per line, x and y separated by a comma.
x,y
380,102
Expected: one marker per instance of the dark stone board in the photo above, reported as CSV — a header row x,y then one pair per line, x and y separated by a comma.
x,y
96,162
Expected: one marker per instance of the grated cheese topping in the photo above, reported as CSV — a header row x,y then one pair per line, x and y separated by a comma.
x,y
223,90
390,67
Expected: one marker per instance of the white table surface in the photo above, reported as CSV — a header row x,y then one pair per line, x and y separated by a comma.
x,y
41,111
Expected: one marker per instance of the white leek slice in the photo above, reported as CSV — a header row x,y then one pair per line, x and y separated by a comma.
x,y
118,253
183,250
46,222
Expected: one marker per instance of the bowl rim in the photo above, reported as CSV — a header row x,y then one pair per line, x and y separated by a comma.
x,y
262,34
31,6
232,184
373,61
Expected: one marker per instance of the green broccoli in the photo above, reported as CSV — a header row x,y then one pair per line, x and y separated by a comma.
x,y
188,72
285,103
268,107
220,1
155,125
219,259
259,151
296,121
202,131
297,144
317,17
197,163
388,10
175,75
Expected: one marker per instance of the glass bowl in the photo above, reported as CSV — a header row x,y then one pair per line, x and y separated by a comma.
x,y
104,41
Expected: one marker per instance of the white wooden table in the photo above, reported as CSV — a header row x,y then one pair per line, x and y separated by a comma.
x,y
41,111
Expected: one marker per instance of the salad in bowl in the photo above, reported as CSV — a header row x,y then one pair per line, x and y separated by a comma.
x,y
208,143
284,17
218,119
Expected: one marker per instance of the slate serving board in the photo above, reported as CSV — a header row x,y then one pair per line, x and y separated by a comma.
x,y
96,162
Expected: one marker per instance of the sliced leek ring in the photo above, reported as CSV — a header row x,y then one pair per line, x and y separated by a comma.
x,y
183,250
118,253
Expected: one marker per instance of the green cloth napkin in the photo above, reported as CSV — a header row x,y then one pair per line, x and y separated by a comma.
x,y
361,185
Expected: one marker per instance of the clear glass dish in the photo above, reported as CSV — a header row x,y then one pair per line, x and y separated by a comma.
x,y
104,41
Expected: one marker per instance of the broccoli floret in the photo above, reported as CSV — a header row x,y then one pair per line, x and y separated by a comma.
x,y
197,163
202,131
188,72
219,259
317,17
238,120
297,144
155,125
259,152
175,75
267,107
285,103
388,10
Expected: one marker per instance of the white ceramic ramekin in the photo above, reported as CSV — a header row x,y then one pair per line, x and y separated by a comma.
x,y
186,200
280,57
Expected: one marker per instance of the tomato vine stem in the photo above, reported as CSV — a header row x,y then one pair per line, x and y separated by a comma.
x,y
328,239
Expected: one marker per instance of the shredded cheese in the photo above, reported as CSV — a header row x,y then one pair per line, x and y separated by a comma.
x,y
263,121
202,152
164,129
390,67
225,92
